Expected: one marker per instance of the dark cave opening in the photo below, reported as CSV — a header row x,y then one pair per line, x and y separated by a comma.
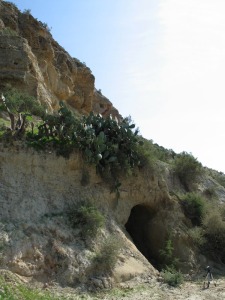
x,y
145,232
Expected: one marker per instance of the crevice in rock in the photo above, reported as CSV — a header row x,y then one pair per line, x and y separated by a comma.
x,y
145,233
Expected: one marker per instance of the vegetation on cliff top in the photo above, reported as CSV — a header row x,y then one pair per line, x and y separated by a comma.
x,y
116,150
113,147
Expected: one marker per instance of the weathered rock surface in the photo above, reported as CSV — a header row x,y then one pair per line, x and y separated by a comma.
x,y
37,241
31,60
37,191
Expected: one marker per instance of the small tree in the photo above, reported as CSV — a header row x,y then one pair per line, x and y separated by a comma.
x,y
20,102
169,263
167,255
20,106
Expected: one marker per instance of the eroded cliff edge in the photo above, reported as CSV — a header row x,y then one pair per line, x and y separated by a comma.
x,y
32,61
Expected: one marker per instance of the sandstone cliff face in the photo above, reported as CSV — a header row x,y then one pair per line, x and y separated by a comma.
x,y
48,184
31,60
37,189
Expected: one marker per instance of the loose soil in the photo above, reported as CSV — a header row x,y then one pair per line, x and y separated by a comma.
x,y
189,290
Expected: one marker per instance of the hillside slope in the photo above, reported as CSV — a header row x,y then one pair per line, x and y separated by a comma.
x,y
64,225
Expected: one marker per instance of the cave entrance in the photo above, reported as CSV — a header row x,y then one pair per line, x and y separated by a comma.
x,y
146,232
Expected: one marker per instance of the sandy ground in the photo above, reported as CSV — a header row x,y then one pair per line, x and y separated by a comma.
x,y
137,290
157,291
188,291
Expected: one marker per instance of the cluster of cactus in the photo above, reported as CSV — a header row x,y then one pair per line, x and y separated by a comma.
x,y
110,145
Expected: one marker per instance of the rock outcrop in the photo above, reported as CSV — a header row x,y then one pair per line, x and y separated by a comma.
x,y
32,61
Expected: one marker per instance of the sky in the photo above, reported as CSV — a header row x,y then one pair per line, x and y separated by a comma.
x,y
160,61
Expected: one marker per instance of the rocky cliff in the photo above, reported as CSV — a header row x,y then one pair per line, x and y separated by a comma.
x,y
32,61
39,190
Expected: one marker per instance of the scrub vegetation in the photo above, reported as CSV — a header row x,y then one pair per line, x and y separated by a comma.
x,y
16,291
87,218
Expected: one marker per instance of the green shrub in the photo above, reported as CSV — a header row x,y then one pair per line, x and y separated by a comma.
x,y
15,291
213,225
169,265
187,168
20,107
106,258
193,205
150,152
45,25
162,153
27,12
172,277
87,218
197,236
213,221
210,236
168,260
147,153
20,102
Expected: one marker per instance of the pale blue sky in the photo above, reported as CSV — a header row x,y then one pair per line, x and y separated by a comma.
x,y
160,61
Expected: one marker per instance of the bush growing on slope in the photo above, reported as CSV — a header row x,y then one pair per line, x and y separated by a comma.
x,y
209,234
87,218
106,257
193,205
151,152
170,273
213,225
187,168
13,289
197,236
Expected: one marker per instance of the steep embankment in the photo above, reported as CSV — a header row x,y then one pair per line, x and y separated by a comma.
x,y
38,190
39,245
